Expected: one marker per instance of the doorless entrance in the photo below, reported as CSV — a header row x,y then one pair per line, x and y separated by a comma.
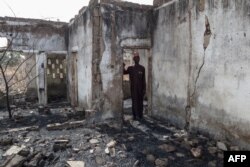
x,y
145,60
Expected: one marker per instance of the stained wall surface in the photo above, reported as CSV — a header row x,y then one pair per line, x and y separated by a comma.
x,y
32,37
222,84
200,62
120,23
201,66
33,34
80,45
171,52
97,36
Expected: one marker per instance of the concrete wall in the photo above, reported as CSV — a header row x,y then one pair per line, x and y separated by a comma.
x,y
171,62
121,22
222,87
80,43
201,66
97,36
32,37
200,63
30,67
31,34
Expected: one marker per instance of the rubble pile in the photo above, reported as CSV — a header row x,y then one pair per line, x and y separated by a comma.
x,y
55,140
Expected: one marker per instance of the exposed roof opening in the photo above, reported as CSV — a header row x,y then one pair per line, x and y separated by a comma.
x,y
3,42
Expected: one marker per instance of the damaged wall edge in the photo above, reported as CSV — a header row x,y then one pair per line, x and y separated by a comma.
x,y
192,96
188,108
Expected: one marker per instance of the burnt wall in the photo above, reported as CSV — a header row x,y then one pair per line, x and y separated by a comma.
x,y
31,34
120,21
171,51
201,67
79,60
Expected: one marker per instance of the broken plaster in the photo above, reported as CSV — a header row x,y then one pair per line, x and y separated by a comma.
x,y
191,102
207,36
188,107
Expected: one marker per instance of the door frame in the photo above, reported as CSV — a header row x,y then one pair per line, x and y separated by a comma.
x,y
149,76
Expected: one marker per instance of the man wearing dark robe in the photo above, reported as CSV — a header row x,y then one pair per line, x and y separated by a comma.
x,y
137,86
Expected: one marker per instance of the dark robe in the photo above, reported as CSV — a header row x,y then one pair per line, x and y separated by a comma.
x,y
137,88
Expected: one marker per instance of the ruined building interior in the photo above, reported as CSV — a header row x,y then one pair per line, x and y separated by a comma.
x,y
195,53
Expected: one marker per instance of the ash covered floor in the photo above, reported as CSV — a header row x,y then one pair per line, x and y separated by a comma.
x,y
28,141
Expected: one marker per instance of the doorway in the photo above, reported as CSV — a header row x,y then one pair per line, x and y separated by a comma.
x,y
145,60
56,78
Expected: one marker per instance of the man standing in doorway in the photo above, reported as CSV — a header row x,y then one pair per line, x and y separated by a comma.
x,y
137,85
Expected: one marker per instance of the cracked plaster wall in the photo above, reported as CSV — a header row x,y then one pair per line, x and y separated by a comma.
x,y
201,78
120,21
81,44
171,62
32,34
97,36
223,91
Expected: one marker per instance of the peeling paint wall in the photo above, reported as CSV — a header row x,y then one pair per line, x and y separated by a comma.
x,y
119,22
200,63
222,89
32,37
171,51
80,45
201,66
96,38
31,34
